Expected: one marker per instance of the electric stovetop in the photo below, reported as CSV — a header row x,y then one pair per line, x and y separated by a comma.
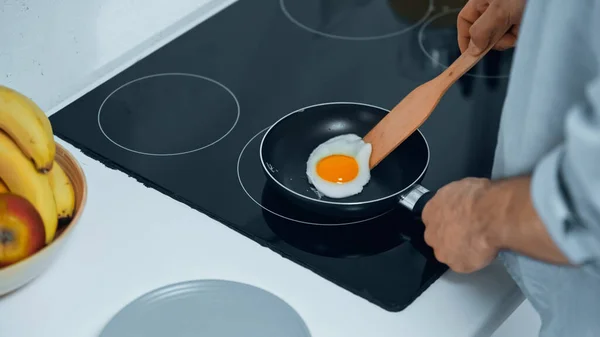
x,y
187,120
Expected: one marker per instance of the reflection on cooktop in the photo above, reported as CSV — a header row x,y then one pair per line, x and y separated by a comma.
x,y
353,19
357,239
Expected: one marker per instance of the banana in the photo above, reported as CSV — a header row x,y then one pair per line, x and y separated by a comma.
x,y
23,179
3,187
29,127
64,194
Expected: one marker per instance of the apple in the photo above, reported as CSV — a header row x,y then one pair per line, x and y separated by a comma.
x,y
22,231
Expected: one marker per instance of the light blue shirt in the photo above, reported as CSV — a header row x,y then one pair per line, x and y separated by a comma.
x,y
550,128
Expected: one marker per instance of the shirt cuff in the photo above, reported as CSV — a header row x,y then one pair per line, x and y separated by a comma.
x,y
551,201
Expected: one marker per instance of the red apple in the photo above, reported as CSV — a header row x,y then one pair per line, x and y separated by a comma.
x,y
22,231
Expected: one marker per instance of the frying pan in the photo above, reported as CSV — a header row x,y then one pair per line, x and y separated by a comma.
x,y
287,144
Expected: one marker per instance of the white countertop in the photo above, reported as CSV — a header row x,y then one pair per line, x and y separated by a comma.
x,y
122,250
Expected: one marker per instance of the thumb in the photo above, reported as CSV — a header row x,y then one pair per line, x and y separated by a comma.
x,y
489,27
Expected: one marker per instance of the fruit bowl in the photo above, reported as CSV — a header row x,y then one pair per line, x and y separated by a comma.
x,y
16,275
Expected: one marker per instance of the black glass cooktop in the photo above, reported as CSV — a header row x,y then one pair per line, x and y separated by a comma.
x,y
187,120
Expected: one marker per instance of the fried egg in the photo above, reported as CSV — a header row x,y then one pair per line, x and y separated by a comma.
x,y
339,167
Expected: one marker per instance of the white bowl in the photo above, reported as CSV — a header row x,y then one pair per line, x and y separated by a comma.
x,y
17,275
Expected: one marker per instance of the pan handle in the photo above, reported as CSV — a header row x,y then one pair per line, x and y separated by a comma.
x,y
416,198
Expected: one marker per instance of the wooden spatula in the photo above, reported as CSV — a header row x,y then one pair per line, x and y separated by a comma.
x,y
415,108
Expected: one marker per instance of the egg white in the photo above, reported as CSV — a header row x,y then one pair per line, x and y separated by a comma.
x,y
349,145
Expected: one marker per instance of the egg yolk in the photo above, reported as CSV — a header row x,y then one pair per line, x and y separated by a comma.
x,y
337,168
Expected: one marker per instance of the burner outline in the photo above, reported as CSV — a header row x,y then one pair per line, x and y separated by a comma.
x,y
237,118
283,216
420,38
356,38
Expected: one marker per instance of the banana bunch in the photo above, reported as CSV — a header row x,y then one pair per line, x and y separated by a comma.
x,y
3,187
27,160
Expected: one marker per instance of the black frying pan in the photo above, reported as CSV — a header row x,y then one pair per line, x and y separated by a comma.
x,y
287,144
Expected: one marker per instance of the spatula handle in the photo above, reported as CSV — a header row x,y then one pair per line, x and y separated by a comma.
x,y
461,65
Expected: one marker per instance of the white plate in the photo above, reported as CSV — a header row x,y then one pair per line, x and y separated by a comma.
x,y
212,308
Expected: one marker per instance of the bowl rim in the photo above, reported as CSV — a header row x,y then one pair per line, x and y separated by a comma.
x,y
71,224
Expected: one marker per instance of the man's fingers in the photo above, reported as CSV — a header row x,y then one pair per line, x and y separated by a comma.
x,y
427,236
506,42
463,26
514,30
492,24
463,34
439,256
466,17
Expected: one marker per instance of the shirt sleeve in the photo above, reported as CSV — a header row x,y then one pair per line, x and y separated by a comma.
x,y
566,183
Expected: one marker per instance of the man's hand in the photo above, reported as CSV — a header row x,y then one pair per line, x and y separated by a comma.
x,y
480,21
459,235
469,221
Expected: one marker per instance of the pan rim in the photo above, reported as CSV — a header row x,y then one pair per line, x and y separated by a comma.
x,y
338,203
